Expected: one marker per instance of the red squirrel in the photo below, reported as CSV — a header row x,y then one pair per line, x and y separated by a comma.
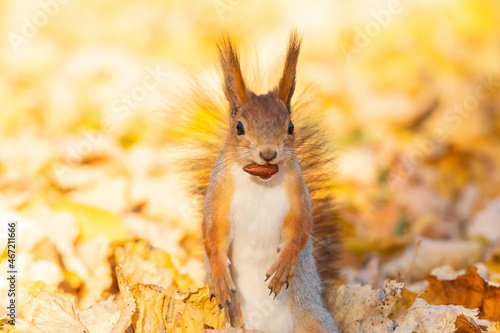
x,y
259,230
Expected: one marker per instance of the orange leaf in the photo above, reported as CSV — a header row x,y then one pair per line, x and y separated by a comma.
x,y
466,325
469,290
491,303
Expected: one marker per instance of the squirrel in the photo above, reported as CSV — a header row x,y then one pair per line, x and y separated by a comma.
x,y
257,221
269,223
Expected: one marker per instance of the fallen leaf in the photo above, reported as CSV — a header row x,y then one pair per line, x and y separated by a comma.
x,y
418,261
126,312
156,311
407,299
51,313
109,194
94,221
422,317
494,328
232,330
150,308
146,264
359,308
100,317
485,224
469,290
200,300
92,259
465,324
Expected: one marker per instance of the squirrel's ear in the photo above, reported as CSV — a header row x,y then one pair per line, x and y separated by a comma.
x,y
233,85
286,86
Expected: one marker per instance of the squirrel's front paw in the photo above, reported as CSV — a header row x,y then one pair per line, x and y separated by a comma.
x,y
220,284
283,269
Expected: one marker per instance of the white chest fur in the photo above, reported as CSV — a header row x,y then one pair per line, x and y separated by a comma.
x,y
258,210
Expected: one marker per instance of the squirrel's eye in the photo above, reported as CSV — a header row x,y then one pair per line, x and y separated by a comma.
x,y
290,128
240,130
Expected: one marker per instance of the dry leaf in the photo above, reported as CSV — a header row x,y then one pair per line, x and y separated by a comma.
x,y
150,308
407,299
94,268
494,328
94,221
58,313
231,330
156,311
465,324
422,317
51,313
360,309
148,303
485,224
100,317
200,300
127,309
469,290
143,263
418,261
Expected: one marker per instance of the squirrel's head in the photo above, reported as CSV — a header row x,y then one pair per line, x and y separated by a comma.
x,y
261,130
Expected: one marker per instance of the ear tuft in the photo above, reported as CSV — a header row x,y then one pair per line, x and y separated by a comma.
x,y
234,85
286,86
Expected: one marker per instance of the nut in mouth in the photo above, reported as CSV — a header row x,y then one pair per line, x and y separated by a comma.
x,y
264,172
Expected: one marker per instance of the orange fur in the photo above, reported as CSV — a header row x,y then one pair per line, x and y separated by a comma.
x,y
234,85
216,239
286,86
215,233
298,223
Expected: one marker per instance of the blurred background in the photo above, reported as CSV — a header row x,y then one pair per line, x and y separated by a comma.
x,y
411,96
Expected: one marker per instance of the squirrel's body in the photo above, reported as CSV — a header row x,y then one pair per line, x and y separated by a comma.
x,y
255,235
257,227
256,219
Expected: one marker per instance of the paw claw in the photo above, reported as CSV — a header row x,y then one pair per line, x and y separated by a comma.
x,y
267,277
221,286
271,291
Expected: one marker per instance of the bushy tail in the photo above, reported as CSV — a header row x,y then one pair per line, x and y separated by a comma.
x,y
195,129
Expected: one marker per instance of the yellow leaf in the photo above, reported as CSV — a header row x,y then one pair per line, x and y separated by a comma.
x,y
494,328
94,221
407,299
146,264
73,279
156,311
200,299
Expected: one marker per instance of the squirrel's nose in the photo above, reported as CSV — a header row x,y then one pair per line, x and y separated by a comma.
x,y
268,154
